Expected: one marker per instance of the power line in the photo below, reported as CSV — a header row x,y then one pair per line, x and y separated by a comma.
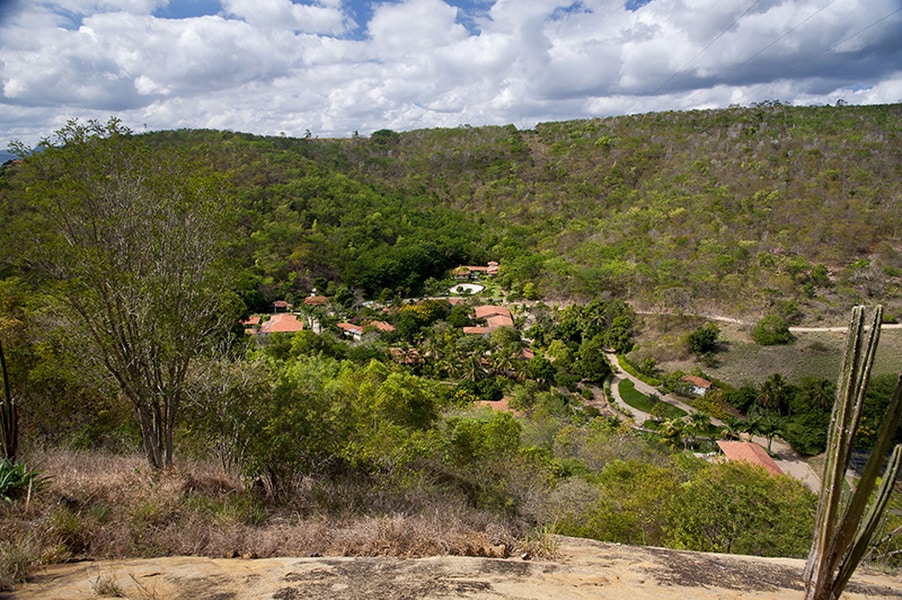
x,y
843,41
773,43
708,45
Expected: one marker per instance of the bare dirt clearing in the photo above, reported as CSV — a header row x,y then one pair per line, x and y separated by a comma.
x,y
582,569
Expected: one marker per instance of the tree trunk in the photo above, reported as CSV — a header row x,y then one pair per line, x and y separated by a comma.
x,y
9,417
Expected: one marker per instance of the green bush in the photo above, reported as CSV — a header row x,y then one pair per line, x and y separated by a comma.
x,y
772,330
738,508
703,340
15,479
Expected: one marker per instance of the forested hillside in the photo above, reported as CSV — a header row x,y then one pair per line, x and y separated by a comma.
x,y
142,277
741,211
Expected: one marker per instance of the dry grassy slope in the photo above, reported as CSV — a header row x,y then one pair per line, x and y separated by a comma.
x,y
581,569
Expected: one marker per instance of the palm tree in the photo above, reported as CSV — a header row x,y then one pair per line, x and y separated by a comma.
x,y
818,392
696,424
774,393
671,431
732,427
770,426
750,426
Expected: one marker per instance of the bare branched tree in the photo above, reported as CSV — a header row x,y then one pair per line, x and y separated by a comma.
x,y
131,238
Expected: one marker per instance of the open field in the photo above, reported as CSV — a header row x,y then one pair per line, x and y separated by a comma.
x,y
741,361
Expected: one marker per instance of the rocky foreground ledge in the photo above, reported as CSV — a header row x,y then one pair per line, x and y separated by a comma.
x,y
581,569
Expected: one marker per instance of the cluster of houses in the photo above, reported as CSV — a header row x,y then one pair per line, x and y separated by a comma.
x,y
284,320
288,322
490,317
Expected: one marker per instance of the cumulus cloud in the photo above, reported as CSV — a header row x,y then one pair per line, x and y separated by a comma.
x,y
269,66
274,15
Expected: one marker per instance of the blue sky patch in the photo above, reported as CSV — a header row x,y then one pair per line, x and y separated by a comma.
x,y
187,9
634,5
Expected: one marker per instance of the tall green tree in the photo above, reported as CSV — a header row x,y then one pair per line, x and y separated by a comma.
x,y
131,240
738,508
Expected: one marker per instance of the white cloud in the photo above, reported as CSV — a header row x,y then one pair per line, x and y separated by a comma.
x,y
274,65
274,15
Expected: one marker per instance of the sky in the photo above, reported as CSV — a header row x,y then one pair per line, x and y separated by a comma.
x,y
336,67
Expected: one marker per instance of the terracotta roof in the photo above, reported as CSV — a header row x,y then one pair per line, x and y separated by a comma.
x,y
697,381
282,304
749,452
496,321
380,325
282,323
483,312
490,269
350,328
476,330
251,320
316,300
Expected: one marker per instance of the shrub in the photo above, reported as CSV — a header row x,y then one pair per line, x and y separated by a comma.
x,y
738,508
771,330
15,480
703,340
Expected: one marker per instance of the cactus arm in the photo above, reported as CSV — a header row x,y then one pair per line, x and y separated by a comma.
x,y
862,539
820,563
848,523
9,422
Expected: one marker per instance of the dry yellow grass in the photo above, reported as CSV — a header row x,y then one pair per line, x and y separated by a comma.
x,y
102,506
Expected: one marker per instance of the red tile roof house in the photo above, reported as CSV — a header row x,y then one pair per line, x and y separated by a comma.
x,y
281,305
357,330
697,385
351,329
251,324
380,325
464,272
749,452
495,317
282,323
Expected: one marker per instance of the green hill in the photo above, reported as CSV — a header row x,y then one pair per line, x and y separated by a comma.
x,y
740,211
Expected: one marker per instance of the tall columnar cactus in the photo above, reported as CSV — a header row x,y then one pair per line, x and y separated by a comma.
x,y
9,421
844,526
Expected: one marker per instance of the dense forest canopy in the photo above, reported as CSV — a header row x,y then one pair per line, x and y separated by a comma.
x,y
741,211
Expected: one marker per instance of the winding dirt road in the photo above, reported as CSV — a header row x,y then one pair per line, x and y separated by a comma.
x,y
789,461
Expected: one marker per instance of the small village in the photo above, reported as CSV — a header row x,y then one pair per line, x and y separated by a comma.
x,y
357,324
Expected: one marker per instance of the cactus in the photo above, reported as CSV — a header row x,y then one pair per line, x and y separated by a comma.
x,y
843,528
9,421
